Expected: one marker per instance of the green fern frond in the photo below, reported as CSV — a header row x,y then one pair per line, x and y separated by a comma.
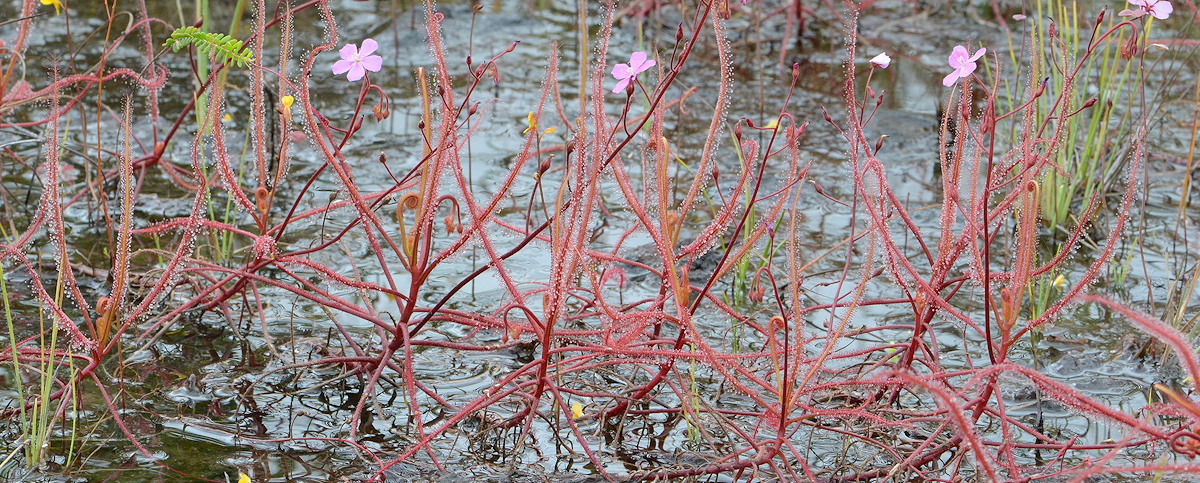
x,y
220,46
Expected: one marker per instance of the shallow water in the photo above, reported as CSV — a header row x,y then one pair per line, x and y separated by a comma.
x,y
215,392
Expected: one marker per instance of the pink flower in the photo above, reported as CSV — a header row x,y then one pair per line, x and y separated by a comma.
x,y
355,61
1160,9
881,61
625,73
963,64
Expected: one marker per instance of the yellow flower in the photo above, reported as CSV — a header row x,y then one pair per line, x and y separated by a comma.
x,y
227,118
57,5
287,102
532,123
576,410
242,478
550,130
1059,282
772,125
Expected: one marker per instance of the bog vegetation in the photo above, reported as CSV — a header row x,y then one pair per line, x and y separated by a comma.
x,y
645,281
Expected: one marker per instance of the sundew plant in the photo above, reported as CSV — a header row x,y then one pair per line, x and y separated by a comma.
x,y
757,240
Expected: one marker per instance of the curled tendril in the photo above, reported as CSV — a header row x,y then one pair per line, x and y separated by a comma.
x,y
262,199
409,202
1186,442
453,221
515,331
674,221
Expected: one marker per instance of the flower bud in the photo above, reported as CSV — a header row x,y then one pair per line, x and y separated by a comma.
x,y
380,112
1130,48
756,293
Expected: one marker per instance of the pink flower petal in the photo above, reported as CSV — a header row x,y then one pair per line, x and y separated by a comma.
x,y
1162,9
621,71
645,66
966,69
356,72
1140,3
342,66
620,87
957,56
978,53
372,63
368,47
950,79
636,59
348,51
881,61
1132,13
